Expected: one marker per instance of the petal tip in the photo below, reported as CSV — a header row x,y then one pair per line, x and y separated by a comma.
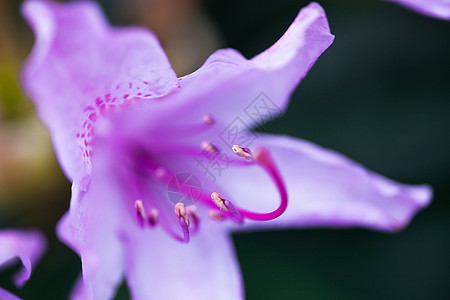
x,y
422,194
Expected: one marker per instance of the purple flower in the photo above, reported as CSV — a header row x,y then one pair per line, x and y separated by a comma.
x,y
28,246
433,8
158,161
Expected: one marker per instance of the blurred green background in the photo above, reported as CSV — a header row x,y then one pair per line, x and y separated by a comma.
x,y
380,95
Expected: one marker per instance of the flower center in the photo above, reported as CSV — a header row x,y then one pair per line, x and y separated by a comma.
x,y
187,219
149,175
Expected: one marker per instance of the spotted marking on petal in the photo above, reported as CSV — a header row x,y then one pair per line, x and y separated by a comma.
x,y
123,94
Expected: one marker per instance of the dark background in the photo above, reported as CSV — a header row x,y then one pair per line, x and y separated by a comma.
x,y
380,95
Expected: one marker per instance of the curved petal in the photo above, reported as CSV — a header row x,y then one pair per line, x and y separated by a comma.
x,y
324,189
28,246
161,268
5,295
80,66
228,86
433,8
92,229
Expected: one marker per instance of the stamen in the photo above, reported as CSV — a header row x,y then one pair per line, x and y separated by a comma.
x,y
161,173
154,214
219,201
234,211
208,119
216,215
153,217
260,157
182,216
242,152
210,148
186,235
140,212
180,212
193,216
226,206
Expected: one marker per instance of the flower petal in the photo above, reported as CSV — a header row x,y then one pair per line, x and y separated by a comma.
x,y
92,229
206,268
433,8
81,66
79,291
28,246
5,295
324,189
228,85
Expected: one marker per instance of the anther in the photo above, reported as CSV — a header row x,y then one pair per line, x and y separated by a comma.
x,y
180,212
160,173
140,212
242,152
234,211
208,119
193,216
219,201
209,147
153,217
216,215
192,213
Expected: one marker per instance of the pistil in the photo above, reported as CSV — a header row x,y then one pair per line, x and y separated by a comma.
x,y
262,157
